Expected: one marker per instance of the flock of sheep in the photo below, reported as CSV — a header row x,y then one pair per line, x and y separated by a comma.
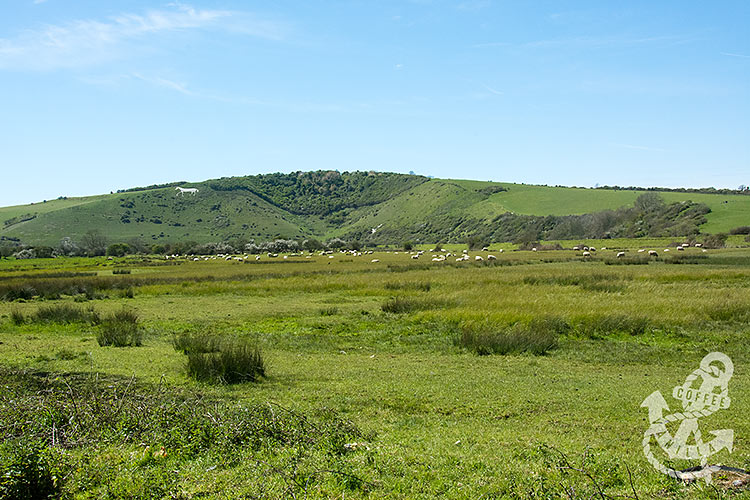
x,y
441,255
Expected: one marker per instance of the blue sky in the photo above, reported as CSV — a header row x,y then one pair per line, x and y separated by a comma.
x,y
97,96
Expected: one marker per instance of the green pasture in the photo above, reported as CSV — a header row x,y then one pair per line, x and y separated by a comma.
x,y
433,419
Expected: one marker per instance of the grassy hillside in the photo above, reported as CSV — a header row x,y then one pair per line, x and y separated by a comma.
x,y
329,204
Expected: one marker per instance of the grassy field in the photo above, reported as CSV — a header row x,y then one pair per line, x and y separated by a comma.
x,y
374,385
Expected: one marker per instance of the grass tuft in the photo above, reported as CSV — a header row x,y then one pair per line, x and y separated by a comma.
x,y
538,337
216,359
120,329
17,317
65,313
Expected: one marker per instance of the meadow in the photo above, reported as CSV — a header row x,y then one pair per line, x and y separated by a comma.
x,y
520,377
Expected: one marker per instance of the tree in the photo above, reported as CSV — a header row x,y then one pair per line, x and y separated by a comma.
x,y
649,202
118,249
94,243
408,245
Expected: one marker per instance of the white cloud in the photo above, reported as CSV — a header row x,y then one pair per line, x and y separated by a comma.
x,y
731,54
494,91
86,42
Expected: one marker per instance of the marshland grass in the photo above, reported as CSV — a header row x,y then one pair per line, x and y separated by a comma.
x,y
570,348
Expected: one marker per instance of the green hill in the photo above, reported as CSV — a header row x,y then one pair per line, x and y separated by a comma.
x,y
370,207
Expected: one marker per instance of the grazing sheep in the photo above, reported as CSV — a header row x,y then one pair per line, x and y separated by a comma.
x,y
500,251
681,248
478,257
587,254
604,248
576,248
415,257
465,251
375,260
491,257
641,250
533,249
257,257
620,254
666,249
485,249
686,245
698,245
653,253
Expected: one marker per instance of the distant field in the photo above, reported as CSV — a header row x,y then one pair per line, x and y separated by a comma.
x,y
373,389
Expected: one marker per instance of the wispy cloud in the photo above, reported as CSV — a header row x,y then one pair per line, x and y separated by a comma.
x,y
639,148
167,84
86,42
731,54
494,91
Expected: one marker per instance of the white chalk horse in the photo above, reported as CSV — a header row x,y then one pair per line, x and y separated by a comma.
x,y
182,191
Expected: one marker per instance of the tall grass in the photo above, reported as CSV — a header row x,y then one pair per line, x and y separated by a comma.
x,y
65,313
538,336
17,317
406,304
120,329
221,359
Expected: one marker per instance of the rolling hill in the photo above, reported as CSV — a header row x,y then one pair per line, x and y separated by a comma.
x,y
367,206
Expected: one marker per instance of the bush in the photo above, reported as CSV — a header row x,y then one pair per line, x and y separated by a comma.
x,y
121,271
537,337
65,313
120,329
329,311
740,230
218,359
26,472
718,240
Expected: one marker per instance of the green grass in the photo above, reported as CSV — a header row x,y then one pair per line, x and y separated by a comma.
x,y
415,213
573,348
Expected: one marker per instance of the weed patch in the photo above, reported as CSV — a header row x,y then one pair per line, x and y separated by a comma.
x,y
221,359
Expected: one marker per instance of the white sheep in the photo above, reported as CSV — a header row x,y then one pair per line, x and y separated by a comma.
x,y
620,254
653,253
415,257
681,248
698,245
491,257
375,260
587,254
478,257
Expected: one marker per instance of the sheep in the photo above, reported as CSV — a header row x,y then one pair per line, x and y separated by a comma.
x,y
415,257
257,257
465,251
576,248
653,253
485,249
375,260
587,254
641,250
620,254
491,257
604,248
698,245
681,248
478,257
666,249
592,249
686,245
533,249
500,251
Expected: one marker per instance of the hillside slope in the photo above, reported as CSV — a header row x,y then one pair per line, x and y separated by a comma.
x,y
370,207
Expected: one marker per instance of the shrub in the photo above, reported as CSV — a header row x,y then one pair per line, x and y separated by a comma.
x,y
740,230
221,359
537,337
26,472
718,240
121,271
65,313
17,317
120,329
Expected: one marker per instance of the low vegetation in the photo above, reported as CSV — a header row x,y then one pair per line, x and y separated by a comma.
x,y
342,377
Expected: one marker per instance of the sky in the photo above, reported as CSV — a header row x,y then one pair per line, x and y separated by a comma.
x,y
97,96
